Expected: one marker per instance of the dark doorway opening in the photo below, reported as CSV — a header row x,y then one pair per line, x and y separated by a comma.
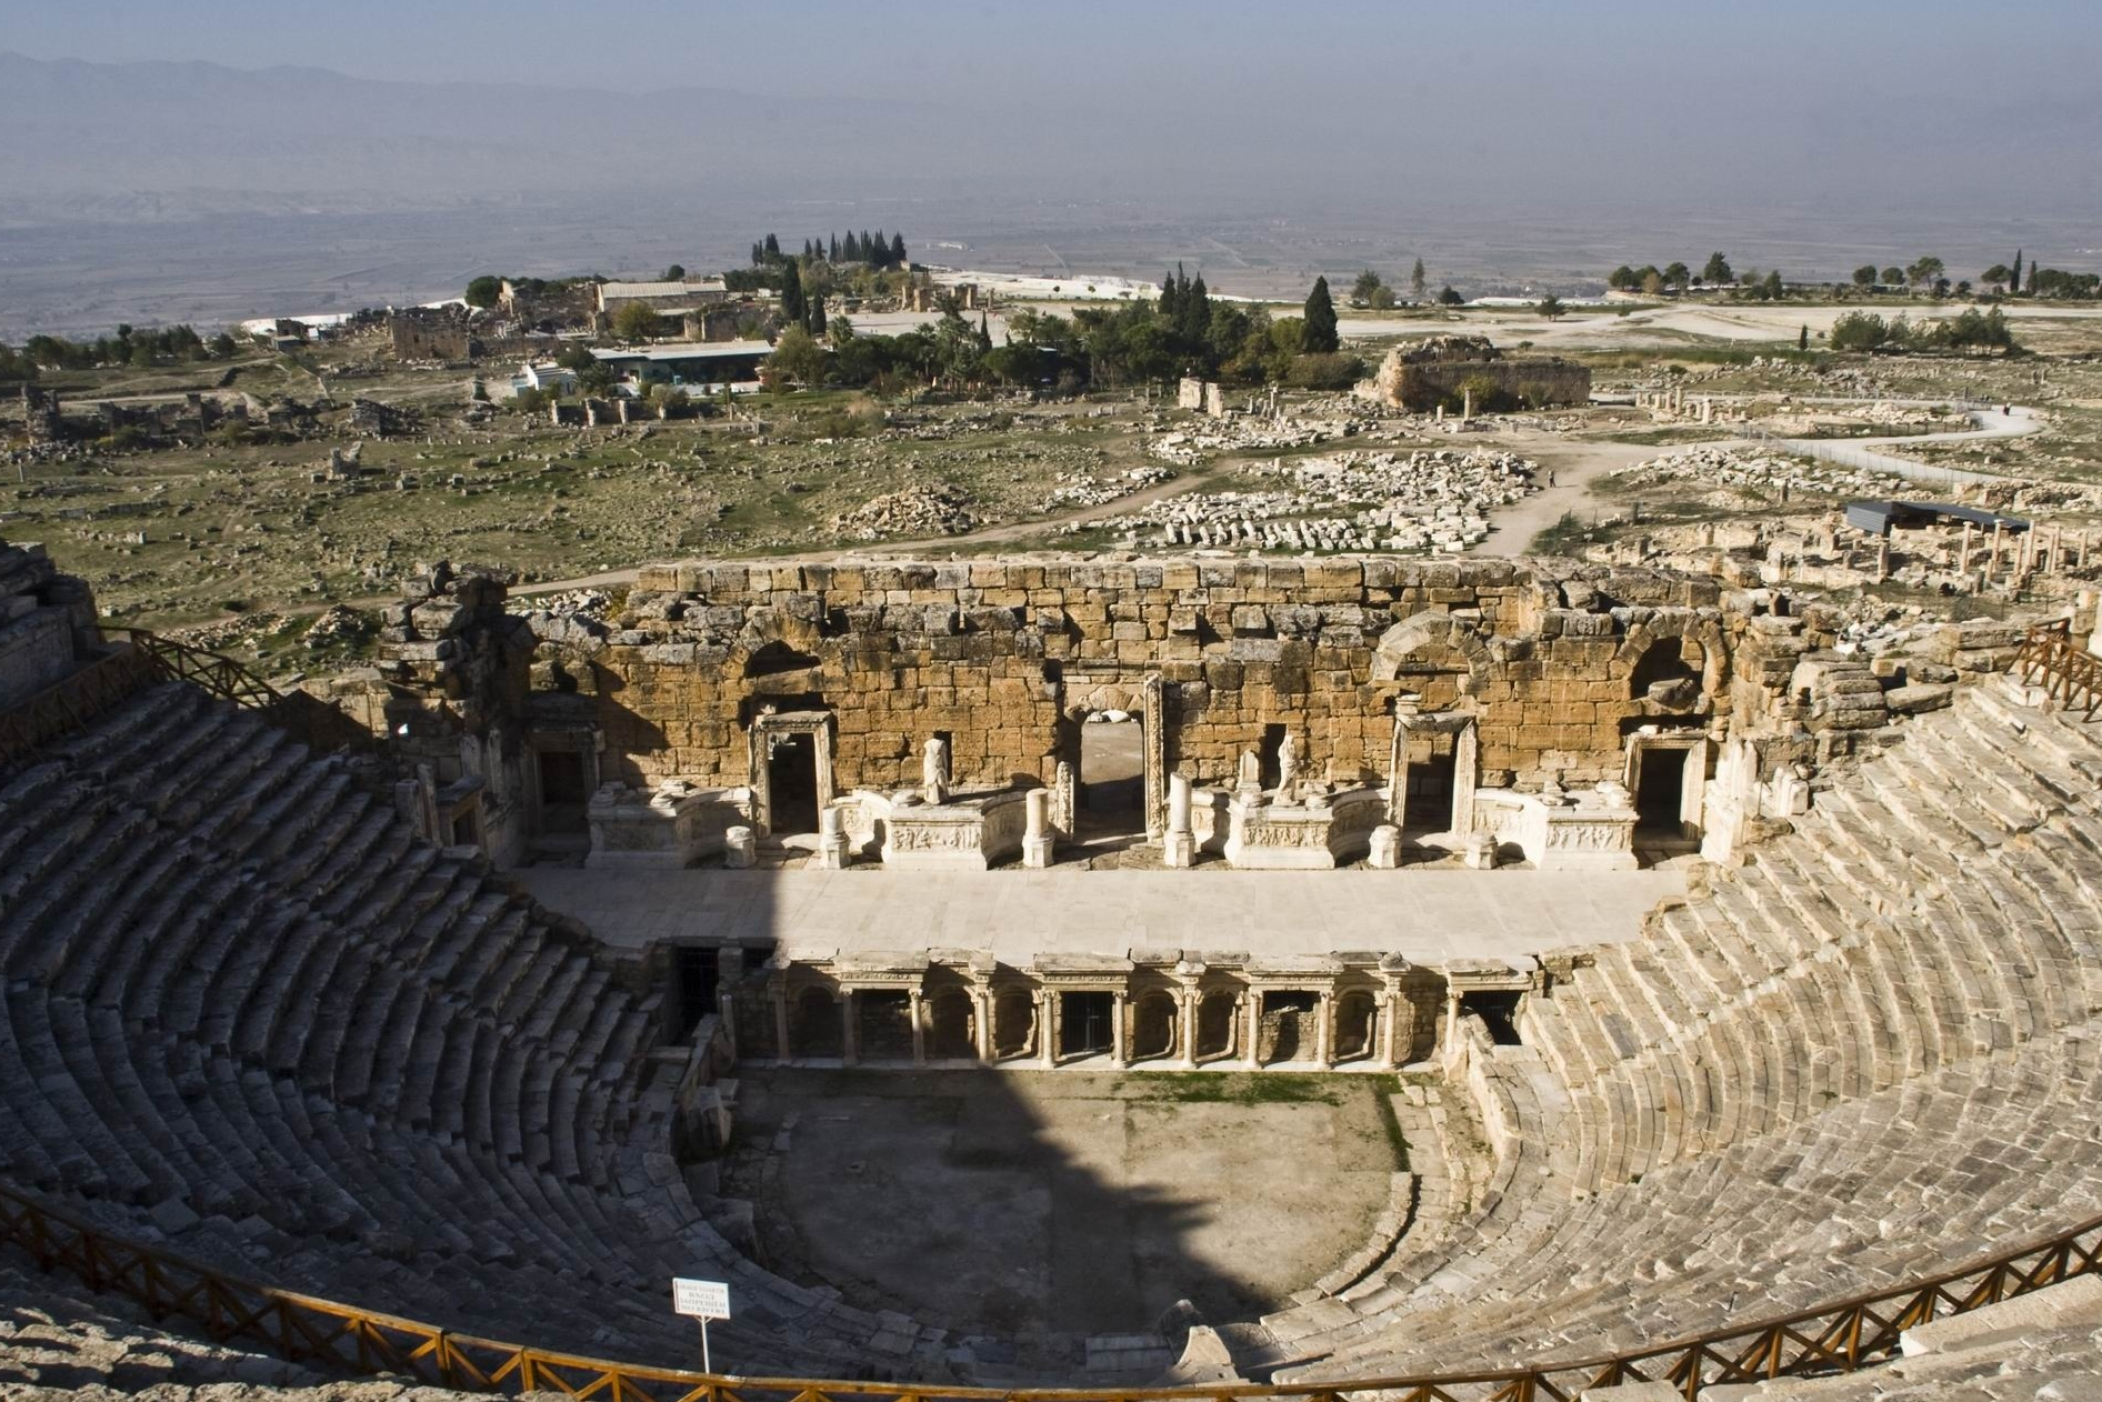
x,y
1427,805
1269,770
1498,1010
1288,1026
562,795
695,972
814,1027
884,1031
1215,1018
1357,1026
791,783
950,1020
1112,778
1086,1022
1660,790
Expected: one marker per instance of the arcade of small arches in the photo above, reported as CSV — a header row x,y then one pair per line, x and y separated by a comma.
x,y
1358,1012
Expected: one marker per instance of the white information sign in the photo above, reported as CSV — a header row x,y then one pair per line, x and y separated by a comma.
x,y
705,1299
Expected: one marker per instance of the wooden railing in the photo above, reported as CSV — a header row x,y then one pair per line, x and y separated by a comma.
x,y
1833,1338
221,676
2070,674
72,702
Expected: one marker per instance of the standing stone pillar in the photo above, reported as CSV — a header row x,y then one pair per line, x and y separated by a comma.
x,y
1047,1028
1179,846
1992,561
1187,1030
982,1030
1467,406
831,839
1325,1029
781,1048
1253,1051
1037,841
849,1029
1384,1009
1119,1032
918,1006
1963,559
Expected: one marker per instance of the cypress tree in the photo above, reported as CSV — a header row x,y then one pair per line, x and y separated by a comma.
x,y
1321,338
806,250
815,323
758,253
793,308
1169,306
2016,285
897,251
773,248
833,257
1416,282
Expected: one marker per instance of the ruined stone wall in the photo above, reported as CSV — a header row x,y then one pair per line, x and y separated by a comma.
x,y
1007,656
1535,383
47,623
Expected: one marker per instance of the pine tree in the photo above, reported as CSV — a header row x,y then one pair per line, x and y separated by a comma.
x,y
806,250
1416,281
793,309
833,257
815,322
773,248
879,251
1196,317
1168,309
897,251
985,333
1320,337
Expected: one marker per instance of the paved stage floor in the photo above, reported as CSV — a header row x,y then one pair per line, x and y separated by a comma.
x,y
1428,917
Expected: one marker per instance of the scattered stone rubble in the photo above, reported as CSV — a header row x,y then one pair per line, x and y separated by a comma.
x,y
1085,489
1771,474
915,511
1426,501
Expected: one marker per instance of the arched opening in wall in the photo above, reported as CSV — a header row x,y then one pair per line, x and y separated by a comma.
x,y
1112,788
1357,1026
1498,1010
1287,1027
1215,1024
791,780
1014,1024
1153,1027
1086,1023
950,1029
777,658
883,1024
814,1025
1669,673
1433,781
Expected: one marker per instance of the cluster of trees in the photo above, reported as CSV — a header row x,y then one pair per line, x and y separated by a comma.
x,y
1371,290
167,345
1676,277
2052,283
869,250
1972,331
1185,331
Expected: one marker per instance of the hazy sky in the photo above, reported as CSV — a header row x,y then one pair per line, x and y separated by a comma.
x,y
1135,52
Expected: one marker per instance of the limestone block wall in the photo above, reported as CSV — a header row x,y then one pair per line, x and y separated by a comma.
x,y
1004,657
47,623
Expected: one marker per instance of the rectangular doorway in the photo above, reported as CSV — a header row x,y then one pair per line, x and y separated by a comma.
x,y
1112,795
562,795
1085,1024
1427,804
1660,791
791,782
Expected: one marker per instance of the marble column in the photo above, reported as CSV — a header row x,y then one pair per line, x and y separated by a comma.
x,y
982,1006
781,1048
918,1005
1047,1028
1187,1030
1252,1025
1119,1034
1325,1030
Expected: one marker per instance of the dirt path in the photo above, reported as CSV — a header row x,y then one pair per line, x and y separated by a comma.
x,y
989,535
1574,465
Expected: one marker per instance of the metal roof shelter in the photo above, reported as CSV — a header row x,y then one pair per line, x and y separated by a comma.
x,y
1880,517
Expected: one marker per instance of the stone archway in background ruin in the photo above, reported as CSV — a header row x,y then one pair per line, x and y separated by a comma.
x,y
1666,649
1433,655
